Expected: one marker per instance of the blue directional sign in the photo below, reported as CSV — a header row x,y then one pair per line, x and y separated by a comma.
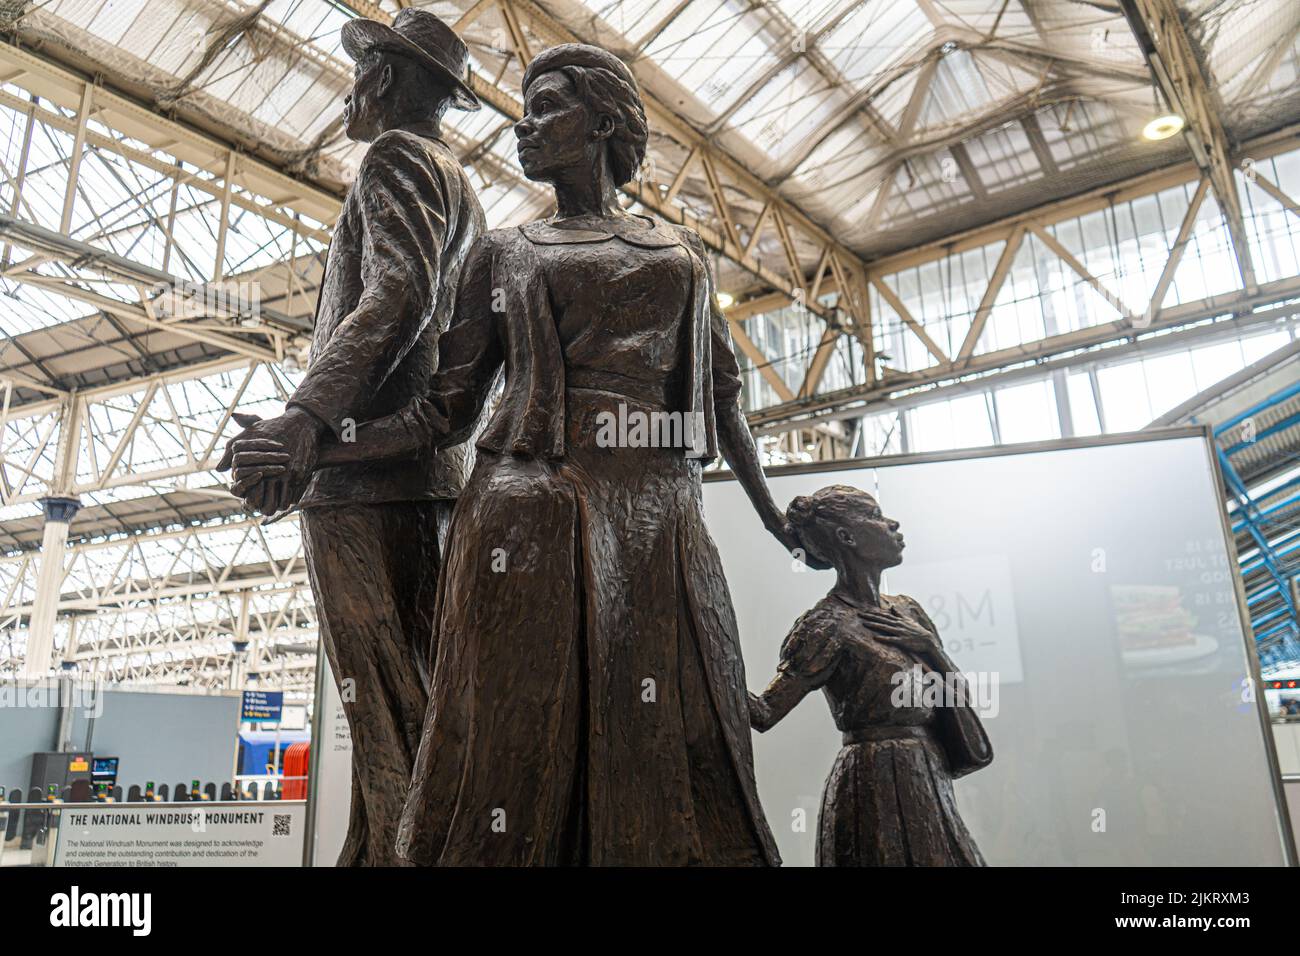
x,y
262,706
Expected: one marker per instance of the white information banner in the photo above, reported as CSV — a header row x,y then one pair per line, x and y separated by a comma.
x,y
332,764
1090,586
180,834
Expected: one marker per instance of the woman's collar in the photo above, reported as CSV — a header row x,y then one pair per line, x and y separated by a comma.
x,y
637,230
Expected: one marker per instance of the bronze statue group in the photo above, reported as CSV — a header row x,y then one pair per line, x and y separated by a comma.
x,y
543,645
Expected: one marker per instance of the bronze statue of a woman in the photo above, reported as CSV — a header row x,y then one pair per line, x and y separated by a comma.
x,y
889,797
588,701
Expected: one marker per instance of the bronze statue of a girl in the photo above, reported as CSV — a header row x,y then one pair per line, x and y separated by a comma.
x,y
889,797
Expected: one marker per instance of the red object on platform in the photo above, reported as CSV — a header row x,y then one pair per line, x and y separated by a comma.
x,y
297,762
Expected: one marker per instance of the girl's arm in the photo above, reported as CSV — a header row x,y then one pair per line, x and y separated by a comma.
x,y
809,657
767,709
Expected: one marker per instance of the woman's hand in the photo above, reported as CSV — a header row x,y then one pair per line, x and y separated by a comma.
x,y
784,532
760,714
780,529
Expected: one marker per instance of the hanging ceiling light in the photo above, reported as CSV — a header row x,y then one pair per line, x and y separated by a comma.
x,y
1162,127
725,300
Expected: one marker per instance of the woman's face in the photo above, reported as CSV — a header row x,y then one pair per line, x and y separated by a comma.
x,y
869,536
557,135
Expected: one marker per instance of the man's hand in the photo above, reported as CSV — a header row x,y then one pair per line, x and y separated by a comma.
x,y
274,459
240,484
258,464
247,423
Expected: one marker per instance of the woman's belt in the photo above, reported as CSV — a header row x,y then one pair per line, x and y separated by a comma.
x,y
867,735
652,394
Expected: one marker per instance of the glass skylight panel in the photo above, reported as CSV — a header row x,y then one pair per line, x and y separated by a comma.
x,y
1287,74
890,101
1214,363
1083,405
1256,347
179,46
47,175
982,15
347,153
841,158
1083,131
25,308
957,90
631,18
1124,397
1236,36
254,243
954,423
1272,228
320,104
1004,78
1017,314
924,185
1170,381
859,200
114,20
881,434
1209,266
806,14
715,48
1027,412
874,37
319,23
845,367
287,101
238,78
788,109
195,244
502,204
475,126
1003,157
505,149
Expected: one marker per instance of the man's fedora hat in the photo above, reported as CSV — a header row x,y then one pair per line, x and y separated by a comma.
x,y
424,38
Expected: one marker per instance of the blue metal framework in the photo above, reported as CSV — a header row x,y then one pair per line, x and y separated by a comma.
x,y
1267,526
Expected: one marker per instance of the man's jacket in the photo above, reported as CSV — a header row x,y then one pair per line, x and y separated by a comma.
x,y
405,229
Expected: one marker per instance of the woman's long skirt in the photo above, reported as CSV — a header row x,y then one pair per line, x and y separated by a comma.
x,y
588,703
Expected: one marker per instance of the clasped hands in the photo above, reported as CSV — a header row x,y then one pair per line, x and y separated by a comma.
x,y
273,459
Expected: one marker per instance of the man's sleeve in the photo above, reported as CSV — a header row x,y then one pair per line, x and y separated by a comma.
x,y
469,357
404,225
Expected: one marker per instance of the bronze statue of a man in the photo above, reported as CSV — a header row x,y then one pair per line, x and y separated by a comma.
x,y
370,529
